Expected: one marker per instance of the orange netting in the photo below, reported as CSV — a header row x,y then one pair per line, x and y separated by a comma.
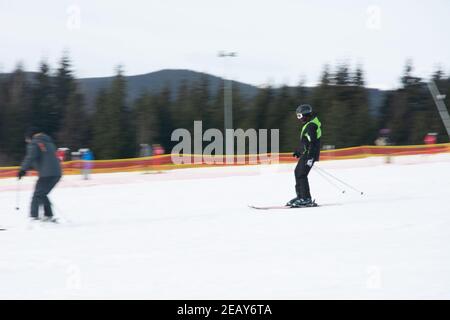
x,y
168,161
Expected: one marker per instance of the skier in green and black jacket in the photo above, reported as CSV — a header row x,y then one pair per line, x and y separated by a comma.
x,y
308,153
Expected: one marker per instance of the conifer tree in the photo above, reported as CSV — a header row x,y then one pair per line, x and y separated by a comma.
x,y
114,135
100,126
324,105
16,93
216,111
359,118
43,109
180,108
73,122
164,118
75,125
145,119
260,108
65,87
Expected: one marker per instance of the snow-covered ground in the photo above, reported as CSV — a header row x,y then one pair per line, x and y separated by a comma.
x,y
189,234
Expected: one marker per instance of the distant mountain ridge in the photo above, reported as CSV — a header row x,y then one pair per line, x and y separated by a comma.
x,y
154,82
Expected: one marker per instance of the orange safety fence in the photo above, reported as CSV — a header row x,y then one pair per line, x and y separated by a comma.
x,y
166,162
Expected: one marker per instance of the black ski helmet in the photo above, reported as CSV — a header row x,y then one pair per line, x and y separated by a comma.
x,y
303,110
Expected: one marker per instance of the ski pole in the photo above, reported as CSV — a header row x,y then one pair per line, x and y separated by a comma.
x,y
344,183
18,195
330,181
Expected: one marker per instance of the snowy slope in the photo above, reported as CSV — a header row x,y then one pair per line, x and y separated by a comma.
x,y
188,234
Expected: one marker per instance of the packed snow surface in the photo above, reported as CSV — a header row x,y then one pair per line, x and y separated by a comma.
x,y
189,234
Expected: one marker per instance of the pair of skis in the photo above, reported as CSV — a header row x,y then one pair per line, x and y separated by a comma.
x,y
53,221
312,205
50,221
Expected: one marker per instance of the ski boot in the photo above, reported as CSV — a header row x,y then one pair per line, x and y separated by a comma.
x,y
291,202
49,219
302,202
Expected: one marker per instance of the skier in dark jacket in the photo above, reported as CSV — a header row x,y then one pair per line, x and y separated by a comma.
x,y
41,156
308,153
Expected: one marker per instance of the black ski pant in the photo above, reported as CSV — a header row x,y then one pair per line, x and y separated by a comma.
x,y
43,187
301,179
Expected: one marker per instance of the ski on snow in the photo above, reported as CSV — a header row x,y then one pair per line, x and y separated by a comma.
x,y
282,207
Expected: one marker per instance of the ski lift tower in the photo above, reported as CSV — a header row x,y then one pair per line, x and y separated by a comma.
x,y
442,108
228,94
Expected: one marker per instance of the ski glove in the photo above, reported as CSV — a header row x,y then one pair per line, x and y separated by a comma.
x,y
310,162
296,154
21,173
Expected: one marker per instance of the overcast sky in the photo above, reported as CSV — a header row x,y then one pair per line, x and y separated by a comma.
x,y
279,41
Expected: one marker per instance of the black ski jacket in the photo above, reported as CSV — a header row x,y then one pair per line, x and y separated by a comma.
x,y
41,156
